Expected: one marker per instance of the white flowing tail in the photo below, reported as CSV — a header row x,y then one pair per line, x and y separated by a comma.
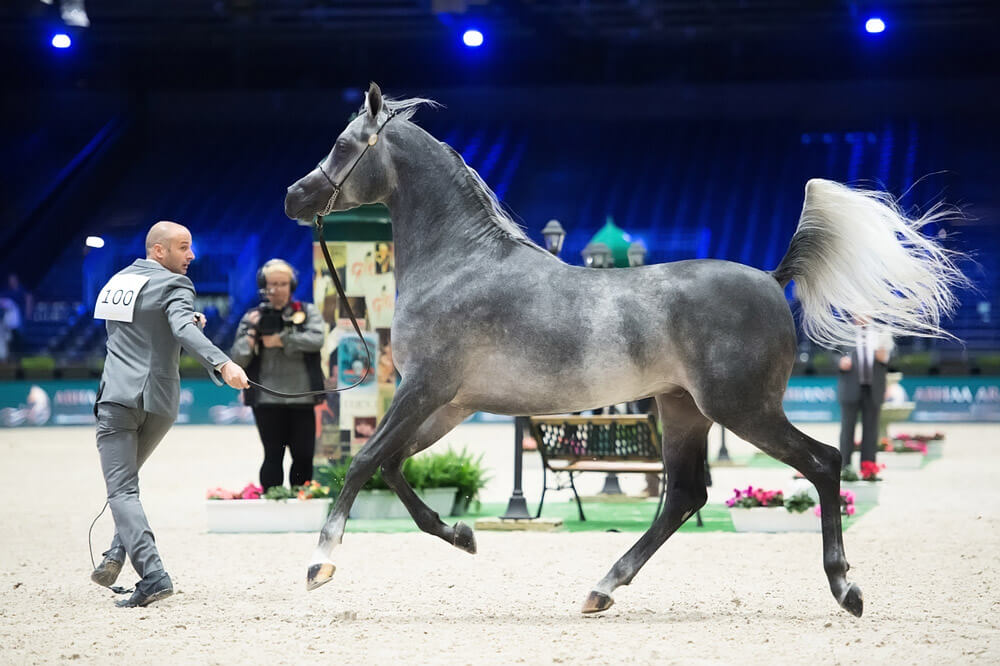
x,y
855,255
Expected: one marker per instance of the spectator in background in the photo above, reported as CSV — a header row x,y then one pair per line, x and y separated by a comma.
x,y
278,342
861,387
5,333
15,305
21,296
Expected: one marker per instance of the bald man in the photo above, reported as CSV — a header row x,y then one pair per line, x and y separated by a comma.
x,y
149,309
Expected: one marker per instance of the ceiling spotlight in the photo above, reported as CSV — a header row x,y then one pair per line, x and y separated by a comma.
x,y
95,241
61,41
472,38
874,25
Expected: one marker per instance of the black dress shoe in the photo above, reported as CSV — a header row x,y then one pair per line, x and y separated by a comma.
x,y
151,588
107,571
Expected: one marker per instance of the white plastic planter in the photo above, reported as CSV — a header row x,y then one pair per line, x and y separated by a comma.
x,y
262,515
384,503
935,449
865,492
774,519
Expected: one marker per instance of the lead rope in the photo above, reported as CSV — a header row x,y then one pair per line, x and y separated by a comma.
x,y
117,589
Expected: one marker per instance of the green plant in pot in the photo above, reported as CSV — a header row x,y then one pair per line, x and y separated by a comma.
x,y
449,469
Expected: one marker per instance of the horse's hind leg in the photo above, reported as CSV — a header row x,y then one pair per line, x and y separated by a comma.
x,y
459,535
685,433
819,463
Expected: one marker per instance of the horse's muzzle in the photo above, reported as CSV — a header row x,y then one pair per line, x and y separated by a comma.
x,y
296,203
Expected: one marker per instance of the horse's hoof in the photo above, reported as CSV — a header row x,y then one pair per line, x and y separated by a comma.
x,y
319,574
465,538
597,602
853,602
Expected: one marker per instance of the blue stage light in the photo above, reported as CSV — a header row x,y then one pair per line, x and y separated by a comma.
x,y
472,38
874,25
61,40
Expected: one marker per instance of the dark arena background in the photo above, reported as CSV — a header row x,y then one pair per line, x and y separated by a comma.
x,y
653,132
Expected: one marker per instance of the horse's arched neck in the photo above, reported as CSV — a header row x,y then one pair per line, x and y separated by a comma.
x,y
438,218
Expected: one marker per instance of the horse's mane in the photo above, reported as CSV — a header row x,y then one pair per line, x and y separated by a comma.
x,y
404,109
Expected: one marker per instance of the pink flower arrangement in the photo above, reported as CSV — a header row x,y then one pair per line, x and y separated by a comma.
x,y
251,491
751,497
920,438
870,470
846,504
900,445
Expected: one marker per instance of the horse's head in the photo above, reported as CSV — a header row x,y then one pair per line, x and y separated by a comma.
x,y
356,171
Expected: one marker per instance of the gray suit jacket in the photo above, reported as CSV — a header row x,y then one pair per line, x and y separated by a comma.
x,y
144,354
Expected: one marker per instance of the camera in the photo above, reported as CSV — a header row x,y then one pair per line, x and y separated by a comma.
x,y
270,321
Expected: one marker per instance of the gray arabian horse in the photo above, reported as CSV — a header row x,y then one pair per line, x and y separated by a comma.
x,y
487,320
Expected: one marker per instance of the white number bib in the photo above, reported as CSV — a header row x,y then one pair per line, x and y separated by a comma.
x,y
116,300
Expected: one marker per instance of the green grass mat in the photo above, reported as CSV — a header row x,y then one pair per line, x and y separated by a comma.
x,y
601,517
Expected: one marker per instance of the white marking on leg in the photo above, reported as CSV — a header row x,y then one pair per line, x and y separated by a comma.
x,y
320,556
604,588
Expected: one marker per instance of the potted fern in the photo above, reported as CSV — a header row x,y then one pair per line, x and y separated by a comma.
x,y
446,482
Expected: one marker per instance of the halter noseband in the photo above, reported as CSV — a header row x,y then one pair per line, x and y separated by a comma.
x,y
372,140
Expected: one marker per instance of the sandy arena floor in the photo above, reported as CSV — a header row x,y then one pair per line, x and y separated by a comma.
x,y
926,559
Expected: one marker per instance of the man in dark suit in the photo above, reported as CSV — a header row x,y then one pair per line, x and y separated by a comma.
x,y
149,309
861,387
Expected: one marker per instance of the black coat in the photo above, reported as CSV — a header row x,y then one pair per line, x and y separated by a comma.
x,y
849,384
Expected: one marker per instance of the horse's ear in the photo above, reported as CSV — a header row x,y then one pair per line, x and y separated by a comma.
x,y
373,100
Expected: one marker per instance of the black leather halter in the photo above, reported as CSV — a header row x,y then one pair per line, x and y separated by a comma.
x,y
372,140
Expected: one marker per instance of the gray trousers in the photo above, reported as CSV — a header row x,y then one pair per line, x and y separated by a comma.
x,y
125,438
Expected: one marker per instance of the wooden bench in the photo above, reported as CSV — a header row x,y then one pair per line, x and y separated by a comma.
x,y
618,443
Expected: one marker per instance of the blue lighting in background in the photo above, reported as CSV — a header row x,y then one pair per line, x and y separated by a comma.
x,y
874,25
472,38
61,40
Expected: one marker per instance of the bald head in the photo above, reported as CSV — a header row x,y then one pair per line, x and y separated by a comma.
x,y
163,233
169,244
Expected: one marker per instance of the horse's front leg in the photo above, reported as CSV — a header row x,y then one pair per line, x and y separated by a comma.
x,y
441,422
414,403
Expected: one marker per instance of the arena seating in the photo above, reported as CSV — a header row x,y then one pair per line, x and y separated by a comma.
x,y
687,188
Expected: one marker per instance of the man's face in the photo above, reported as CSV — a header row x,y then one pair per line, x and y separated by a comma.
x,y
177,254
279,289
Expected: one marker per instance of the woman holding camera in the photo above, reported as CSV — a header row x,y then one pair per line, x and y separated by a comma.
x,y
278,343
